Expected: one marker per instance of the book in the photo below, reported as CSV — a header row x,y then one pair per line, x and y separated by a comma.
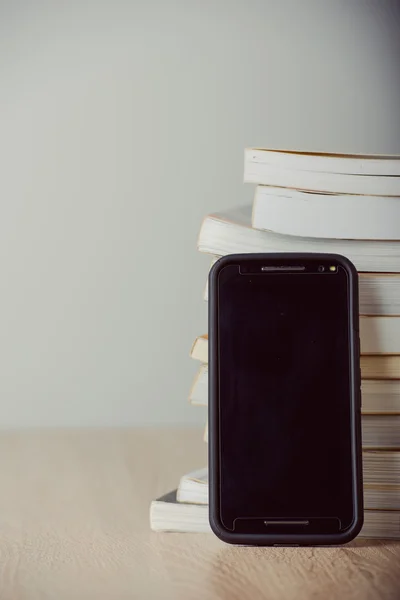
x,y
379,293
373,366
380,431
231,232
338,216
378,396
381,468
193,487
327,162
337,173
380,335
380,366
199,349
169,515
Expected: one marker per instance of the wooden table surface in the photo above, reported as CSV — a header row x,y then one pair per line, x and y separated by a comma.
x,y
74,525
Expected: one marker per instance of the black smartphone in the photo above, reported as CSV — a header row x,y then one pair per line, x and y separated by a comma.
x,y
284,400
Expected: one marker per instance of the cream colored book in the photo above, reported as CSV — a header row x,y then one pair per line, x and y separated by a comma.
x,y
379,293
231,232
193,487
381,482
379,397
378,366
337,173
381,165
199,349
381,468
381,432
337,216
169,515
380,335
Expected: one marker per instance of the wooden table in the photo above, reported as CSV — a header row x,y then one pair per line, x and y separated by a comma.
x,y
74,525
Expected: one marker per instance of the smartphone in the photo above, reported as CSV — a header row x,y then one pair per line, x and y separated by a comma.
x,y
284,400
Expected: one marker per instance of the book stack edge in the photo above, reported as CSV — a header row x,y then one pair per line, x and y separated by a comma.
x,y
310,202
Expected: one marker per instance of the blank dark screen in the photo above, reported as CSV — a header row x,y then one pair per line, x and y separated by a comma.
x,y
284,396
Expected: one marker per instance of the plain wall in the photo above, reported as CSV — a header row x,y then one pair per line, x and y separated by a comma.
x,y
122,124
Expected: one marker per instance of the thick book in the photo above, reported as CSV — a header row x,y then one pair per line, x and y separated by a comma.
x,y
327,162
338,216
380,366
380,432
373,366
169,515
231,232
380,335
199,350
379,397
381,471
379,293
337,173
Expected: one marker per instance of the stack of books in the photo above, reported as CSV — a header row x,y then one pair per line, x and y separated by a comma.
x,y
344,204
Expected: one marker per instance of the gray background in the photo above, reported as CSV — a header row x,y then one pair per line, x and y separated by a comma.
x,y
122,124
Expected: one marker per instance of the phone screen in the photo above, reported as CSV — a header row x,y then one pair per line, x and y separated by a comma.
x,y
284,397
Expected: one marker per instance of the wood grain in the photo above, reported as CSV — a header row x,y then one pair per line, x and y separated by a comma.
x,y
74,525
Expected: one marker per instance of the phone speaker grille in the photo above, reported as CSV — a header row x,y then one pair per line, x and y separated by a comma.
x,y
284,268
303,522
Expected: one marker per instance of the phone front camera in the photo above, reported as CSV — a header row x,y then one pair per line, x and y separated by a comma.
x,y
321,268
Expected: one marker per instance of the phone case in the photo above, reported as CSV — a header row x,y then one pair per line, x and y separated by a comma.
x,y
213,412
